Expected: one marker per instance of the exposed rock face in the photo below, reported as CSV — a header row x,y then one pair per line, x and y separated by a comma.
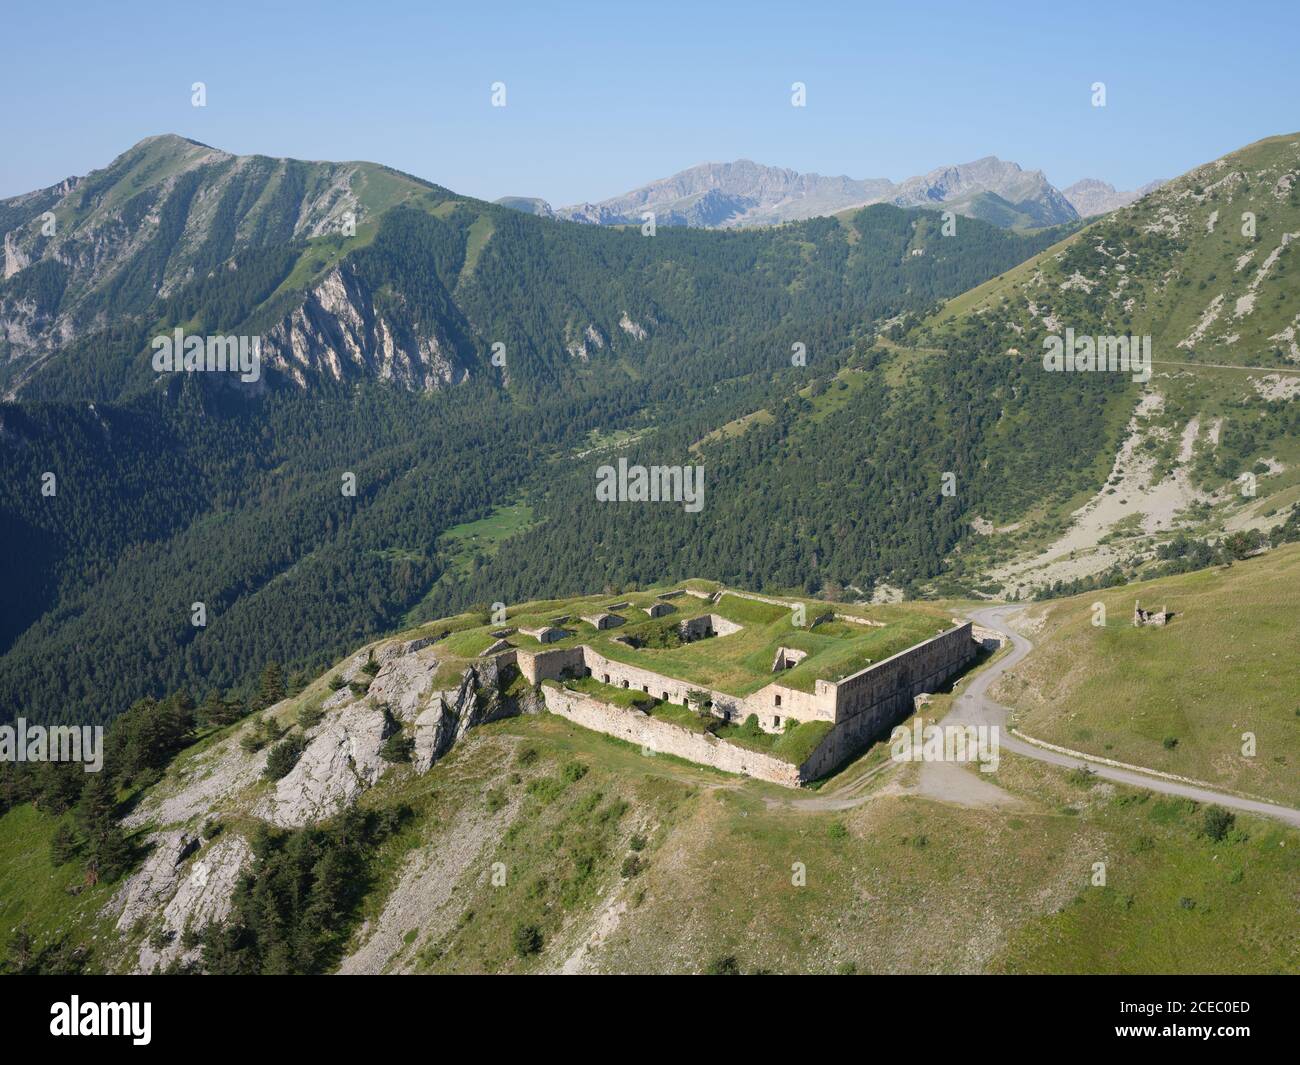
x,y
203,895
203,786
184,883
195,209
107,217
144,892
336,331
341,761
188,882
450,714
631,328
527,205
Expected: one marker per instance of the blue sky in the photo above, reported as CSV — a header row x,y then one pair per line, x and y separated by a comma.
x,y
604,97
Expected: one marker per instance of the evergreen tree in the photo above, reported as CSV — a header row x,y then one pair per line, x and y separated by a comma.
x,y
272,686
107,852
63,845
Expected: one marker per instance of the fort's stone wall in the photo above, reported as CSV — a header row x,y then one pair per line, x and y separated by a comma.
x,y
775,703
666,738
670,689
537,666
756,597
877,698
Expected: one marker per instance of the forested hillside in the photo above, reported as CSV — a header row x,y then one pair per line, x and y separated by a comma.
x,y
175,489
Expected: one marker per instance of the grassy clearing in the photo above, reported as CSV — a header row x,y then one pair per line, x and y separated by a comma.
x,y
463,543
1173,899
38,896
1182,698
480,232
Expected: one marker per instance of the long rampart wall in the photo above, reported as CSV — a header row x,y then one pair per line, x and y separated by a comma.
x,y
663,737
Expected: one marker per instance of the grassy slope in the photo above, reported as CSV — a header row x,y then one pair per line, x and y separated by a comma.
x,y
900,884
1224,666
39,897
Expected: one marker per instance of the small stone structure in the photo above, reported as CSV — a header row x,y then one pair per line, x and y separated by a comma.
x,y
1147,617
545,633
706,625
603,620
787,658
658,610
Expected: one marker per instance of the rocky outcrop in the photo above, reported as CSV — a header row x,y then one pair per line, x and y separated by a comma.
x,y
202,896
478,699
202,786
187,881
185,884
342,759
337,332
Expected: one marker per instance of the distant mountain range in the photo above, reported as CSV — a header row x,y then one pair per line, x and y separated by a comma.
x,y
1091,197
745,193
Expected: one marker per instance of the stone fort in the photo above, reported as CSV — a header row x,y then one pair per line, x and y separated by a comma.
x,y
860,708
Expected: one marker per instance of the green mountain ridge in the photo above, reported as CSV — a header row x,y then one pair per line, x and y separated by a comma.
x,y
1203,266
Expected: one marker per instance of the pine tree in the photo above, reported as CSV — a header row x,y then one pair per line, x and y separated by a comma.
x,y
107,852
213,710
272,689
63,845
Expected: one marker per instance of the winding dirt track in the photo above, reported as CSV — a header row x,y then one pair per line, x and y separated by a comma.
x,y
974,707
